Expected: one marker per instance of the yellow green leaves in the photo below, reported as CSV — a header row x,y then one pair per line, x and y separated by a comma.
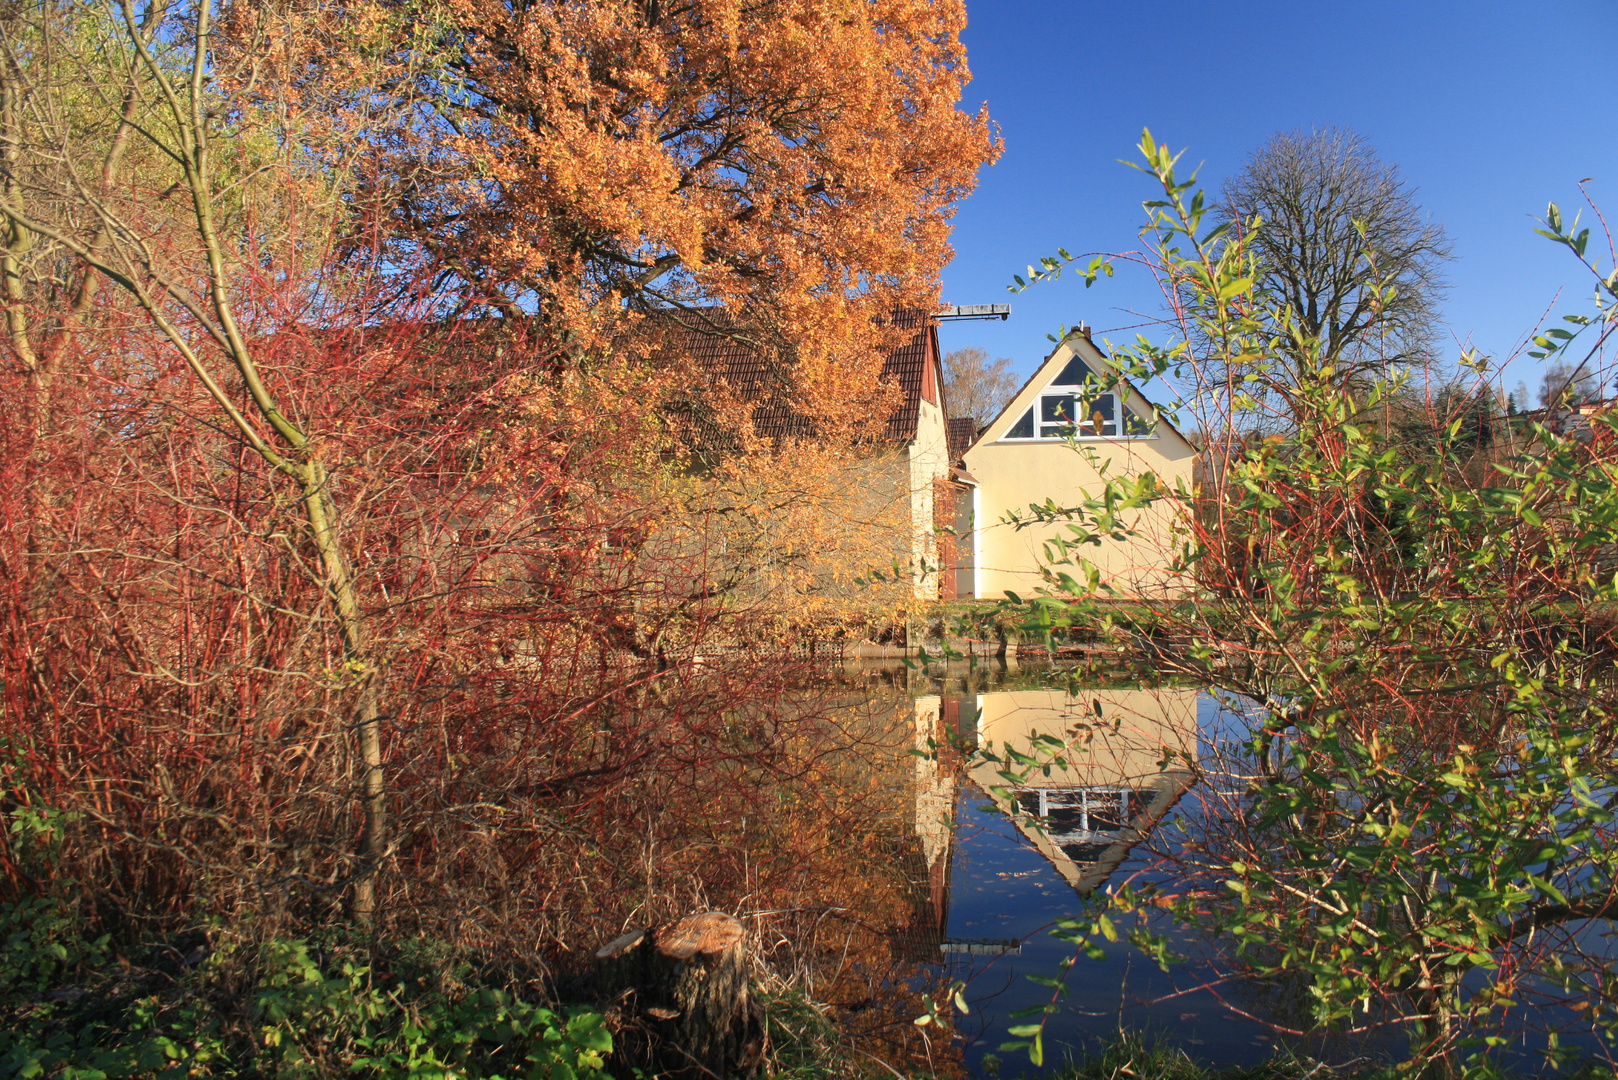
x,y
1553,229
1051,267
932,1014
1230,289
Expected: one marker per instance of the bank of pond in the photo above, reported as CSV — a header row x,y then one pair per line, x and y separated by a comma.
x,y
917,868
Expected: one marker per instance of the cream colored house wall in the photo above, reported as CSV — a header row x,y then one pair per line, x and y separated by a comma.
x,y
929,463
1126,744
1012,475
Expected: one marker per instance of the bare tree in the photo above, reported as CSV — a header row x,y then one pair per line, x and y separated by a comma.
x,y
974,387
1567,385
1341,241
1518,399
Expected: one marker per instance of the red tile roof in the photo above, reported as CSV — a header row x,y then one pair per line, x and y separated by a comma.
x,y
907,365
961,431
725,351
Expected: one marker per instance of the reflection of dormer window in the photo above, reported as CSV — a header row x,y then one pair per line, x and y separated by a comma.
x,y
1082,815
1067,410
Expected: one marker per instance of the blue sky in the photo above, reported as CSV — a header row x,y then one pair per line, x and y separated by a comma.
x,y
1490,110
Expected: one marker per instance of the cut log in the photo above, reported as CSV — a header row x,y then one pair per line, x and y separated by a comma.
x,y
708,932
691,990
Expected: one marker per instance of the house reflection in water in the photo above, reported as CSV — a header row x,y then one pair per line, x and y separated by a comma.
x,y
1127,770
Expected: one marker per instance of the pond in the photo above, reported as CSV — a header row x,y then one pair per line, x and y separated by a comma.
x,y
1009,881
991,865
1008,868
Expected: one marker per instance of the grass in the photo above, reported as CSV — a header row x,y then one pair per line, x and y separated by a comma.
x,y
1139,1057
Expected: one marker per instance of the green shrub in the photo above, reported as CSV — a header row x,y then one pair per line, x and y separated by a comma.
x,y
1418,822
306,1011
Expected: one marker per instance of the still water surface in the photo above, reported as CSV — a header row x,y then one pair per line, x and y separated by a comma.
x,y
1004,882
991,885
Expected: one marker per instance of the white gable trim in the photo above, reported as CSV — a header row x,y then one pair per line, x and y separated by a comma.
x,y
1076,345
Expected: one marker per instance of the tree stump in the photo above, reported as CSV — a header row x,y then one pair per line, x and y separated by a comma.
x,y
688,984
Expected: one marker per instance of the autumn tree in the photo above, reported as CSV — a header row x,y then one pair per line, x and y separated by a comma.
x,y
777,175
974,387
794,160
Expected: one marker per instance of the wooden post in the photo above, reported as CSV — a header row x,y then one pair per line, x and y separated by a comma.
x,y
687,983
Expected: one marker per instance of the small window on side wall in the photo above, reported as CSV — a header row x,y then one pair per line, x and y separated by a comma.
x,y
1024,428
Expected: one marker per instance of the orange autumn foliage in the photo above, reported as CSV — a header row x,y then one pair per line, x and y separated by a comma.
x,y
781,173
794,161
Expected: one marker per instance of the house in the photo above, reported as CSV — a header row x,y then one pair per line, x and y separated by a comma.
x,y
934,494
887,504
1038,450
1571,419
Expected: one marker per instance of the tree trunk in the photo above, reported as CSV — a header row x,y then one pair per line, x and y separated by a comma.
x,y
1435,1034
321,513
686,984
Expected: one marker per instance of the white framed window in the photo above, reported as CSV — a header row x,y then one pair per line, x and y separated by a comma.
x,y
1064,410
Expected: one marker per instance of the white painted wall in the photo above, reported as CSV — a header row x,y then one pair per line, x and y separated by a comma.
x,y
929,463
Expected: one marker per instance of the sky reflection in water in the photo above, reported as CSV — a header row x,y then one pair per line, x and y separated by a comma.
x,y
1009,885
996,886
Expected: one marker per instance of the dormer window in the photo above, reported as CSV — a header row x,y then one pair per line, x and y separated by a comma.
x,y
1063,416
1065,411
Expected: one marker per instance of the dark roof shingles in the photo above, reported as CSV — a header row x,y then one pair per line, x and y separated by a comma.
x,y
721,353
960,432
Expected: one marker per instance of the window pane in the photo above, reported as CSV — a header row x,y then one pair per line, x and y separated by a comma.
x,y
1099,420
1073,374
1024,428
1056,407
1058,431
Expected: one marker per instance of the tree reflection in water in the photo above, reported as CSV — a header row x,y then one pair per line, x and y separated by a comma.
x,y
802,825
877,856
